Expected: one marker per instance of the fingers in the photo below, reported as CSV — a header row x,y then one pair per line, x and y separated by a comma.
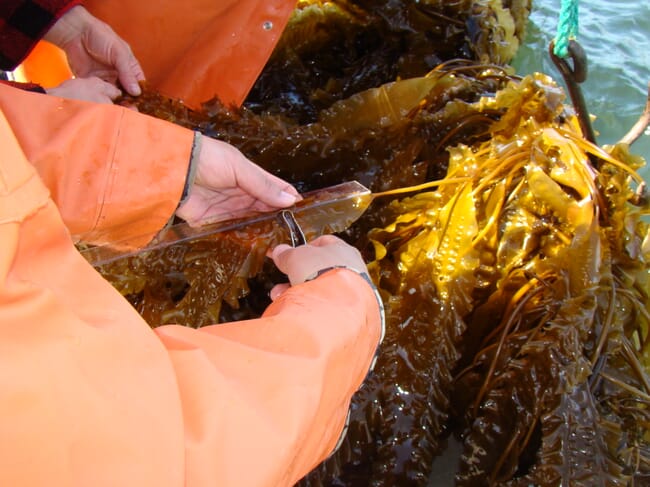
x,y
93,48
325,240
277,290
129,71
276,253
306,260
268,189
222,166
105,46
87,89
111,91
294,262
260,184
284,185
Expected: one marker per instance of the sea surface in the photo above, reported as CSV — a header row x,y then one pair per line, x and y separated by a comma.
x,y
615,35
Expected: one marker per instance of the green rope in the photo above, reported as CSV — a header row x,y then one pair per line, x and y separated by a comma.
x,y
567,28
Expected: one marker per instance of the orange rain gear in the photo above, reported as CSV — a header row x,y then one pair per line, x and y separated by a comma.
x,y
191,51
89,393
199,48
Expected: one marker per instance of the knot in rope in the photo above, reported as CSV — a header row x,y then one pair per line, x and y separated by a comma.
x,y
567,28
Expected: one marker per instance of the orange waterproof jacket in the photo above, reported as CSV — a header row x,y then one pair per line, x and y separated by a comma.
x,y
191,51
197,49
89,393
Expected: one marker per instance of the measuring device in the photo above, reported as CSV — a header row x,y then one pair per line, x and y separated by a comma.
x,y
322,211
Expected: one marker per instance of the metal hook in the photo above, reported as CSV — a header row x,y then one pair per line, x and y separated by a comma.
x,y
579,71
573,76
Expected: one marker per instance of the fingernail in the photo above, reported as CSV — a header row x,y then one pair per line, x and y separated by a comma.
x,y
134,89
286,199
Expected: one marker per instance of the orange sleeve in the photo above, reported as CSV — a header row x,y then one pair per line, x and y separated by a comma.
x,y
91,395
114,174
202,49
266,400
88,395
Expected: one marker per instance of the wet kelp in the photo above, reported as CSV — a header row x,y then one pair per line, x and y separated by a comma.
x,y
516,290
187,279
531,279
516,295
334,49
387,137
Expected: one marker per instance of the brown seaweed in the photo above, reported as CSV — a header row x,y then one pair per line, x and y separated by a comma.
x,y
551,282
334,49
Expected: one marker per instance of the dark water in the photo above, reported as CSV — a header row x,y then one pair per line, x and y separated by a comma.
x,y
615,35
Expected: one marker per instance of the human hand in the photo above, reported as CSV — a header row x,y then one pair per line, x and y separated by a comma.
x,y
87,89
227,184
94,49
304,261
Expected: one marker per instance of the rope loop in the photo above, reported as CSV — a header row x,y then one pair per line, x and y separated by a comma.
x,y
567,28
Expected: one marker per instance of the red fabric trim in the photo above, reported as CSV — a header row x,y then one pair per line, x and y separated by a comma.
x,y
24,86
23,23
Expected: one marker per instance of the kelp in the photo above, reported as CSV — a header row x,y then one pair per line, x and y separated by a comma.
x,y
386,137
526,262
187,277
189,283
516,292
334,49
414,118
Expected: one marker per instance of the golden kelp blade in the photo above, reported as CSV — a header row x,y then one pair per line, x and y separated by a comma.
x,y
543,348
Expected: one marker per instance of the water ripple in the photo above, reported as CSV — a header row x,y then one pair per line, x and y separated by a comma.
x,y
616,38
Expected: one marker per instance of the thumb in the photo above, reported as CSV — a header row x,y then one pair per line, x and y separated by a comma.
x,y
277,255
281,257
277,290
129,71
